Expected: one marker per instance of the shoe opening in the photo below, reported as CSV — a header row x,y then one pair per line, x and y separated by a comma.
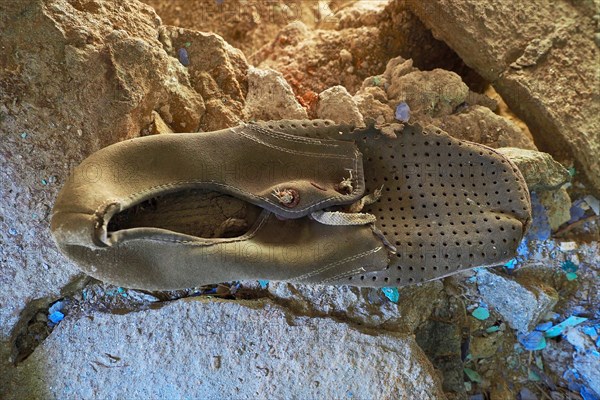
x,y
200,213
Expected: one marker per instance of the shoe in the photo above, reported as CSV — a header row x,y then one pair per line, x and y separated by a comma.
x,y
298,201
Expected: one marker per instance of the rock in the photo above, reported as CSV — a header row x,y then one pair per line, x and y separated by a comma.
x,y
428,93
159,126
195,348
588,366
364,306
441,341
371,107
540,170
337,105
310,59
217,71
246,25
479,124
558,206
544,67
270,97
484,346
521,303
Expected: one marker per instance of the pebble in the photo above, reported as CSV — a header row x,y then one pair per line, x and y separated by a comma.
x,y
183,57
345,56
402,112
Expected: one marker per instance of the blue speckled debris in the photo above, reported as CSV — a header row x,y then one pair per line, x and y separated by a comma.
x,y
560,328
263,283
493,329
511,263
532,341
391,293
24,135
183,57
403,112
481,313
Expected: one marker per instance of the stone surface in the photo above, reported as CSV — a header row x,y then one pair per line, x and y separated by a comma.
x,y
215,349
558,206
216,71
540,170
246,25
541,58
310,59
270,97
588,365
337,105
521,304
429,93
365,306
480,125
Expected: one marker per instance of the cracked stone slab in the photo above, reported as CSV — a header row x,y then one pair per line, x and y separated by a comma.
x,y
215,349
364,306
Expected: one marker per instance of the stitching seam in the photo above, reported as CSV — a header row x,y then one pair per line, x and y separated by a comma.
x,y
335,264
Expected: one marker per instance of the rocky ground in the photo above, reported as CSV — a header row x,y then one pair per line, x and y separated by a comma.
x,y
78,75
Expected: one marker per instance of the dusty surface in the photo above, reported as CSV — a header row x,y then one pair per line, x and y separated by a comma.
x,y
78,75
266,357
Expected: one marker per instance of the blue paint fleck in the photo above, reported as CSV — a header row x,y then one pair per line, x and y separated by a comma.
x,y
44,182
403,112
183,57
493,329
12,231
391,293
544,326
577,212
590,331
263,283
558,329
571,276
56,317
511,264
481,313
472,375
54,312
532,341
569,266
24,135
